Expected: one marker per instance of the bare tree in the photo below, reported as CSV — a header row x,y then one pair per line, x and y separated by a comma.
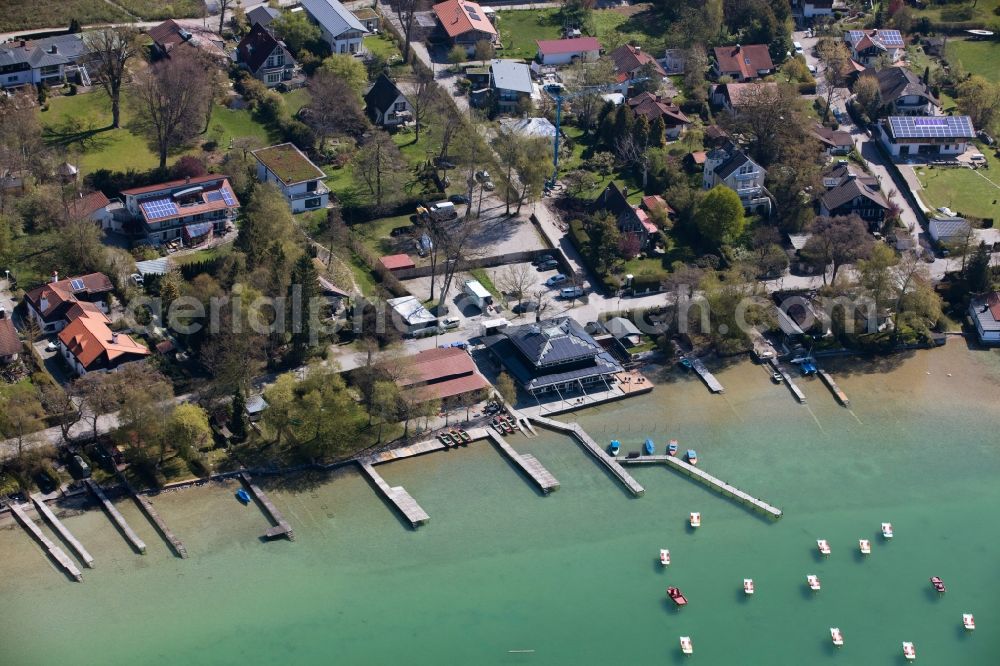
x,y
515,280
60,405
422,101
99,395
456,247
380,165
405,11
333,107
170,99
543,301
836,57
224,5
111,48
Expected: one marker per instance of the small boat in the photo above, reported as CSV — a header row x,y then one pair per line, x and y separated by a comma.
x,y
686,646
777,377
615,447
649,447
664,557
865,546
692,456
672,448
968,621
686,363
887,530
243,496
695,519
836,636
938,584
824,547
676,596
444,439
466,437
909,652
748,586
813,581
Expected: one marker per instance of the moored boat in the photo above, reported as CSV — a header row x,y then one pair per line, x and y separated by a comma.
x,y
813,581
777,377
664,556
614,447
686,646
649,447
686,363
243,496
824,547
909,652
692,456
887,530
672,448
748,586
444,439
968,621
676,596
836,636
695,519
865,546
938,584
466,437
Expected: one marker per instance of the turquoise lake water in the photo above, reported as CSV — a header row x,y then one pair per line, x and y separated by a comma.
x,y
575,576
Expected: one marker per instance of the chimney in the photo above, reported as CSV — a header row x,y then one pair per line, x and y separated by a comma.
x,y
638,49
55,276
114,338
24,44
3,312
187,179
53,49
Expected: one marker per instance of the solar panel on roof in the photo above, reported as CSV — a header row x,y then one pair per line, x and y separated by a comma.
x,y
228,198
213,196
77,284
890,37
159,208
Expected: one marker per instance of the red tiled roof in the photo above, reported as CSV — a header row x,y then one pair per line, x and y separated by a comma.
x,y
575,45
444,373
653,106
456,17
743,60
628,59
993,300
197,180
395,262
736,92
84,207
644,220
89,339
655,201
10,344
698,157
206,205
60,292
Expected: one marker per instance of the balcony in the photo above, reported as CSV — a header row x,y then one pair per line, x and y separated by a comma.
x,y
320,190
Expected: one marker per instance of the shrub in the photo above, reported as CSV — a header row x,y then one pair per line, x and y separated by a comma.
x,y
807,88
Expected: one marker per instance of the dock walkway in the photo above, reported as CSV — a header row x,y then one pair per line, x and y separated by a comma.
x,y
706,478
713,384
796,391
595,450
832,385
397,495
67,536
154,516
116,516
528,464
55,551
281,527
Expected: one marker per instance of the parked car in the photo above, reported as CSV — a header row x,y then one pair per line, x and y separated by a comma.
x,y
525,306
450,322
545,257
52,346
985,138
400,231
459,199
137,279
548,265
556,279
571,292
811,68
978,159
798,47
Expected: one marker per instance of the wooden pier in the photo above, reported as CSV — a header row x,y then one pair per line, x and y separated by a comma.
x,y
281,527
46,512
709,480
713,384
397,495
834,389
154,517
54,551
796,391
595,450
528,464
116,516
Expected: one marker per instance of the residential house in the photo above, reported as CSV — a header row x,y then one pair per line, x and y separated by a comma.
x,y
730,166
655,201
89,345
161,213
814,8
296,176
54,304
369,18
181,33
742,62
985,313
926,136
632,221
410,315
947,232
265,57
263,16
443,374
556,356
732,96
850,192
385,105
567,51
674,61
94,206
630,61
465,24
834,142
52,61
510,81
339,27
653,106
10,343
903,93
867,46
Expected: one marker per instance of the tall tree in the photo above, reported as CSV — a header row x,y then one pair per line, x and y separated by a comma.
x,y
424,101
302,293
770,117
405,11
111,49
297,31
837,241
506,388
20,415
719,216
333,107
380,166
834,54
980,100
238,416
349,69
869,95
224,6
61,407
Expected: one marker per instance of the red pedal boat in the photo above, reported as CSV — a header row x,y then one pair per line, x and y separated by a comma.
x,y
938,583
677,596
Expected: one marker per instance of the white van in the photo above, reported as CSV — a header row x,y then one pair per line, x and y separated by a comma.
x,y
443,210
571,292
798,47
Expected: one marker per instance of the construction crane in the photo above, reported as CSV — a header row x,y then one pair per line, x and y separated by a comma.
x,y
559,98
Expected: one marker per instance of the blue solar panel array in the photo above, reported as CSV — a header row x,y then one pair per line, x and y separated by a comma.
x,y
159,208
228,198
926,127
891,38
77,284
213,196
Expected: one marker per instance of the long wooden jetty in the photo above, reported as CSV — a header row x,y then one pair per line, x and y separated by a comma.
x,y
397,495
54,551
834,389
709,480
281,527
67,536
595,450
154,517
796,391
713,384
528,464
116,516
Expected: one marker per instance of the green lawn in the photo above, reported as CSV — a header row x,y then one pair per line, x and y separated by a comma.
x,y
24,14
520,28
963,190
385,46
296,99
158,9
981,58
955,12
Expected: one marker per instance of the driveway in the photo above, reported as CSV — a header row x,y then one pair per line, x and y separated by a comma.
x,y
53,362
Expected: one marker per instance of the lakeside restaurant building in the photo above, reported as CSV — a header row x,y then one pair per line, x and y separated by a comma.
x,y
444,374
